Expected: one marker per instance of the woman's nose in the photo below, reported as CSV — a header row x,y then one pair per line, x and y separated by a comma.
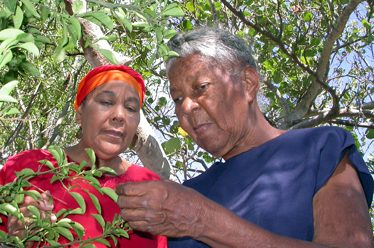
x,y
118,113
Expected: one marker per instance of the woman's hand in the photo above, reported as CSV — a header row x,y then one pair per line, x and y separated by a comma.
x,y
162,208
15,226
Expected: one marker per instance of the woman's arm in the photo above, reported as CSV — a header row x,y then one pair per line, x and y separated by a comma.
x,y
341,217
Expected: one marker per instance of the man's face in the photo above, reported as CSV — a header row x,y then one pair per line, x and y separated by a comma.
x,y
211,105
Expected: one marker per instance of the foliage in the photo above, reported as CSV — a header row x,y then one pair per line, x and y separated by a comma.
x,y
316,59
41,229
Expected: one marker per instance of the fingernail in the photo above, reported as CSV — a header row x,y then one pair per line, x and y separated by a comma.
x,y
48,205
53,218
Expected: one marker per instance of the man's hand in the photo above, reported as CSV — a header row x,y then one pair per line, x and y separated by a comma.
x,y
162,208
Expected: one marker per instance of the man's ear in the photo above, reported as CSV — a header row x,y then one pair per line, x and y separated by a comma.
x,y
252,82
78,115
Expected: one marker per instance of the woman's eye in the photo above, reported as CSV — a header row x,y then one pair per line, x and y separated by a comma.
x,y
106,103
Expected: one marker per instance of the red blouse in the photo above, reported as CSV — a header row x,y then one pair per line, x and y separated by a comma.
x,y
135,173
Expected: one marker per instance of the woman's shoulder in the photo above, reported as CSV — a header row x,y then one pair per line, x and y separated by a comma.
x,y
28,156
139,173
26,159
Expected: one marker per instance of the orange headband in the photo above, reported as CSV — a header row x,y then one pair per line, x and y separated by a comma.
x,y
86,87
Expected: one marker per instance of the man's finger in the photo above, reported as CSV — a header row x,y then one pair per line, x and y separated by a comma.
x,y
133,189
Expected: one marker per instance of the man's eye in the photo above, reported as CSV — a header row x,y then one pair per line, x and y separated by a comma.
x,y
202,87
177,99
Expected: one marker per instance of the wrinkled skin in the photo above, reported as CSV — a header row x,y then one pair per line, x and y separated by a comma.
x,y
221,114
159,207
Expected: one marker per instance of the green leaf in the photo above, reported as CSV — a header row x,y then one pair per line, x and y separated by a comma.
x,y
12,111
78,229
171,145
91,155
307,17
34,210
77,6
122,233
6,89
114,240
58,154
99,219
47,163
104,19
53,179
169,33
18,17
59,54
31,8
64,232
122,18
158,34
190,6
25,38
30,47
3,235
108,169
61,212
109,55
42,39
53,243
5,60
11,5
25,172
104,241
89,246
34,194
76,211
64,224
111,193
171,6
30,68
366,24
370,133
77,26
95,202
175,12
10,209
92,180
80,200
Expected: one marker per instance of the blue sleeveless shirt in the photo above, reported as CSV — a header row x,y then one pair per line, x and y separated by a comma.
x,y
273,185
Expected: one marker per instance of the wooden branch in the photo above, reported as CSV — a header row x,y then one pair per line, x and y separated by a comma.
x,y
352,123
278,95
323,62
214,13
20,124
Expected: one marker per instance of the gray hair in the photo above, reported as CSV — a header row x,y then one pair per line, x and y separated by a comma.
x,y
225,48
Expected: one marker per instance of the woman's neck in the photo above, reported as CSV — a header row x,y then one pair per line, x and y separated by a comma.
x,y
78,155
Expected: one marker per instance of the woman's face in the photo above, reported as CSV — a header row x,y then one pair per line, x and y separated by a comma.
x,y
109,118
211,106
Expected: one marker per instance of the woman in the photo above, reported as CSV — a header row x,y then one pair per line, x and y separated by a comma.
x,y
107,105
301,188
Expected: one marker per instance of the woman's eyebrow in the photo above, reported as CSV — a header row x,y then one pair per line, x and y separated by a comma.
x,y
107,92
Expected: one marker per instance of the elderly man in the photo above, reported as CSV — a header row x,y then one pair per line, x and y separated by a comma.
x,y
301,188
